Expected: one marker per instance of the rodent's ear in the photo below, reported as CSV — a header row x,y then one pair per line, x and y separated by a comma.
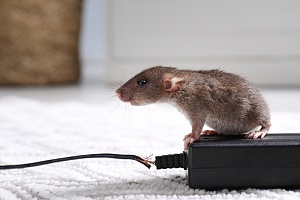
x,y
172,84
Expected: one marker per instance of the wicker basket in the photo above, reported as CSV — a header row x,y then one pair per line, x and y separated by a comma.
x,y
39,41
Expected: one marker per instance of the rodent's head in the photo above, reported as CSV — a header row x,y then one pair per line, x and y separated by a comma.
x,y
149,86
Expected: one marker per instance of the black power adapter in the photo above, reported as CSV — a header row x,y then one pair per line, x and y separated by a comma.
x,y
234,162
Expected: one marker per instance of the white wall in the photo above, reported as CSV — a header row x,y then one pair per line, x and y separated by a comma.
x,y
93,43
258,39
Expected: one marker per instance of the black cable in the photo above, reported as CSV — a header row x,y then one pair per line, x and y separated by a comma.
x,y
145,162
161,162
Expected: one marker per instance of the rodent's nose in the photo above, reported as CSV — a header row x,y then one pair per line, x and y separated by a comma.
x,y
123,95
118,93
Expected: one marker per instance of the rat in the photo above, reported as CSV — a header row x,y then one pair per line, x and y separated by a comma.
x,y
225,102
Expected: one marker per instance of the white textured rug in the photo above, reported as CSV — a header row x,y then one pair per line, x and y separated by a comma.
x,y
32,131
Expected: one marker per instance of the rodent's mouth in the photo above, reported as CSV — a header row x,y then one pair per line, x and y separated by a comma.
x,y
132,102
129,100
135,103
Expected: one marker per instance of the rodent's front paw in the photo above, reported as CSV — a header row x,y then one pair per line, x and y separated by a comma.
x,y
187,136
188,139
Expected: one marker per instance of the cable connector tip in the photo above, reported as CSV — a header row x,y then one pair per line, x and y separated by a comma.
x,y
171,161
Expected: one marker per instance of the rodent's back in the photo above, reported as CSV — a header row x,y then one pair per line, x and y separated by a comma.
x,y
225,96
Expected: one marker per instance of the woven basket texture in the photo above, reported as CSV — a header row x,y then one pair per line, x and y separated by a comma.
x,y
39,41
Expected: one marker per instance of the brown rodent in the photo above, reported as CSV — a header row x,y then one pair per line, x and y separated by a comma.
x,y
226,102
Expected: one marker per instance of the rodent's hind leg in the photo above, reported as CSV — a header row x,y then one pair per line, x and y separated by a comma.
x,y
210,132
258,134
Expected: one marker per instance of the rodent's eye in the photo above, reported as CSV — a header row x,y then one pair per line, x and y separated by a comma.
x,y
142,82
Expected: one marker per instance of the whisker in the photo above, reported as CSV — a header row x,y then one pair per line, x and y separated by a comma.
x,y
108,98
118,106
114,83
120,71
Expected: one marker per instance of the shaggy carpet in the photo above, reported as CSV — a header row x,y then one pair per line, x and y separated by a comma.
x,y
34,130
